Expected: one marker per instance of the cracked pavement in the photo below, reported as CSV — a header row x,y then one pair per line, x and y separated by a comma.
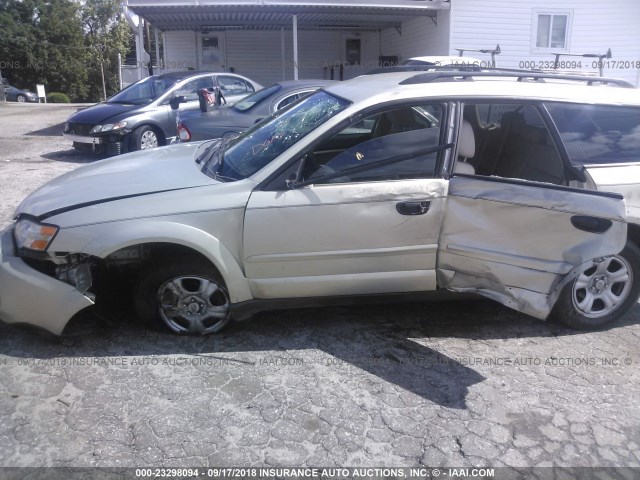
x,y
467,383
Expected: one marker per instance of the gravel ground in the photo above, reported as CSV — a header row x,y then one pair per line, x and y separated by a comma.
x,y
438,384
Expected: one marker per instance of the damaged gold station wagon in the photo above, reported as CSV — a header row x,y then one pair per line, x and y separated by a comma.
x,y
511,185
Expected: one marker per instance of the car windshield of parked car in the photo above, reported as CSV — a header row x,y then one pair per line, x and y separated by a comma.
x,y
144,91
251,101
258,146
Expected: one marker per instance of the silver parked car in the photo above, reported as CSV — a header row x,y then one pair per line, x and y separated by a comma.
x,y
140,116
194,125
493,183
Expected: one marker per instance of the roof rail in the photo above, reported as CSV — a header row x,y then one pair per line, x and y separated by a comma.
x,y
462,67
450,75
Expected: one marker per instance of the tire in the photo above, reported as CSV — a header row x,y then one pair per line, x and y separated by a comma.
x,y
602,293
184,296
143,138
21,98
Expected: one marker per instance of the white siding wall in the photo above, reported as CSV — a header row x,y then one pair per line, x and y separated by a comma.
x,y
257,54
418,37
180,50
596,26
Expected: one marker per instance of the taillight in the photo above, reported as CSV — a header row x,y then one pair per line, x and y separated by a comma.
x,y
183,133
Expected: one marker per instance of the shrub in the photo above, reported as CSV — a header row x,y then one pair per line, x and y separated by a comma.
x,y
57,97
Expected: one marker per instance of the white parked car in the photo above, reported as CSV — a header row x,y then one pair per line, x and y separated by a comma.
x,y
509,185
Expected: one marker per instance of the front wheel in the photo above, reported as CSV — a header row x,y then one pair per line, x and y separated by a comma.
x,y
21,98
184,297
602,293
144,138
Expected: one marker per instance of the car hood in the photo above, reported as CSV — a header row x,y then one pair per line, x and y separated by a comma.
x,y
131,175
102,111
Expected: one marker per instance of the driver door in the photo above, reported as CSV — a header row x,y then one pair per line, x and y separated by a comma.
x,y
368,227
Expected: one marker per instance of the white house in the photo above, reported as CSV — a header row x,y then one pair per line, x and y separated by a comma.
x,y
272,40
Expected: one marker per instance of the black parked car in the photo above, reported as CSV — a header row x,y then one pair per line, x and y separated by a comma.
x,y
14,94
140,116
228,119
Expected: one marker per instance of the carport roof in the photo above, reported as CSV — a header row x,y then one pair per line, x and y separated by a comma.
x,y
275,14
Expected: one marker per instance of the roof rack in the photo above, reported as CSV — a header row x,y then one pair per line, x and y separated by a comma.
x,y
492,51
600,57
460,74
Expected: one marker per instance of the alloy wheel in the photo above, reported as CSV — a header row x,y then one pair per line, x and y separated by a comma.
x,y
602,287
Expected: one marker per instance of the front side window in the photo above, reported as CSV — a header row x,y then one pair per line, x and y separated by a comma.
x,y
552,30
258,146
190,89
399,143
598,134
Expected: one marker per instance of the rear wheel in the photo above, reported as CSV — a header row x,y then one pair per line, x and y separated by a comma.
x,y
603,292
184,297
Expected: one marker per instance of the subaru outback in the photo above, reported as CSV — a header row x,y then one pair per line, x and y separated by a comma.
x,y
519,187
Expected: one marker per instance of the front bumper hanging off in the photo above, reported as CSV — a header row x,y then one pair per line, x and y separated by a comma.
x,y
30,297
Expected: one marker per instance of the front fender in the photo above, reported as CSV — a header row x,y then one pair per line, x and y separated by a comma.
x,y
102,242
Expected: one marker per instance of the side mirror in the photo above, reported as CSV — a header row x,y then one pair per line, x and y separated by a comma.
x,y
176,101
292,180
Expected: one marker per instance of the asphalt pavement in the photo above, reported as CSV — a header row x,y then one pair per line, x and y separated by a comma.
x,y
467,383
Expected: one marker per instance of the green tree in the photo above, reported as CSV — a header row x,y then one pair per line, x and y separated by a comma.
x,y
63,44
41,41
106,35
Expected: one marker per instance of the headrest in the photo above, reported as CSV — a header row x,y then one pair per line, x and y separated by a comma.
x,y
466,141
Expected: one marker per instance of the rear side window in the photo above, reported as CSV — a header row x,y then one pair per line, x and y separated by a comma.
x,y
598,134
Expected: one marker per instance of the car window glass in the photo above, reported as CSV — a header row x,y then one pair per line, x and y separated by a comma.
x,y
594,134
400,132
512,141
233,85
254,99
292,98
190,89
287,100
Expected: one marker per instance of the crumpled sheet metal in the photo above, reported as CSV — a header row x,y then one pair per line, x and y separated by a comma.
x,y
516,244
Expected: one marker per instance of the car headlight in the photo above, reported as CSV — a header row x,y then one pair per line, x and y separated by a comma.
x,y
107,127
34,236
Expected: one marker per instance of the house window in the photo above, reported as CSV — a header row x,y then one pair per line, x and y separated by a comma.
x,y
552,30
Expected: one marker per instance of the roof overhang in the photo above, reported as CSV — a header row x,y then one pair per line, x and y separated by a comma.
x,y
274,14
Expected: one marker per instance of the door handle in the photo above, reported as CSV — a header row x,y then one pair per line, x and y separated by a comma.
x,y
413,208
591,224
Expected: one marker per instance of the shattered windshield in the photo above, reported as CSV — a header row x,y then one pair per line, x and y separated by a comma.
x,y
144,91
257,147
